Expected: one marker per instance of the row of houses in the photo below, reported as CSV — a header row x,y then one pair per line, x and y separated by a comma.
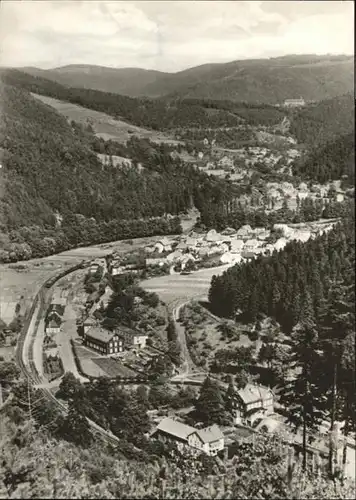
x,y
252,403
106,342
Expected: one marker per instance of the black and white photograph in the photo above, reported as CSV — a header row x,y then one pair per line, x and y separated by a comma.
x,y
177,250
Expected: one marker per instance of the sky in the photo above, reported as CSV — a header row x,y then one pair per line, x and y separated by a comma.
x,y
169,36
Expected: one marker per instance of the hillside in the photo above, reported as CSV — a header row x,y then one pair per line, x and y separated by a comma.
x,y
324,121
257,80
126,81
149,113
332,161
50,168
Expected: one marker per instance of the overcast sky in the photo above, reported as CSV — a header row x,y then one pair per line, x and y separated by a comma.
x,y
169,36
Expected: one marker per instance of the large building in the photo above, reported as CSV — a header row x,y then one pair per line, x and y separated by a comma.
x,y
103,341
132,338
251,403
107,342
209,440
294,103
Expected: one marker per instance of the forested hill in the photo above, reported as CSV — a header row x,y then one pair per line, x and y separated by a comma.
x,y
332,161
292,283
322,122
270,81
49,166
157,114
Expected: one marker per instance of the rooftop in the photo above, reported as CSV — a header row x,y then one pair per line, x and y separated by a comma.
x,y
210,434
175,428
99,333
253,393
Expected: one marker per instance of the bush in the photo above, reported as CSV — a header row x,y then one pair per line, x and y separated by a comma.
x,y
253,335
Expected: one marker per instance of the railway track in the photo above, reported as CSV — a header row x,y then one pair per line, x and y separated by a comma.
x,y
29,369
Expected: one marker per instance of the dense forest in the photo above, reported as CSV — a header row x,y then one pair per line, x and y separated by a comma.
x,y
284,284
324,121
57,194
230,213
332,161
158,114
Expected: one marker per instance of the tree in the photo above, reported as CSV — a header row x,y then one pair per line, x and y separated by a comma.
x,y
68,387
75,427
210,404
302,396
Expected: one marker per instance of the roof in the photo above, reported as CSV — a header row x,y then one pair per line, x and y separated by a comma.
x,y
191,241
237,245
59,301
99,333
209,434
175,428
53,324
165,242
254,393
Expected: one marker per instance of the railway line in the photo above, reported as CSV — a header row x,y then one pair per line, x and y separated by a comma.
x,y
25,360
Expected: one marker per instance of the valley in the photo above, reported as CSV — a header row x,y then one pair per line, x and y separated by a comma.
x,y
177,264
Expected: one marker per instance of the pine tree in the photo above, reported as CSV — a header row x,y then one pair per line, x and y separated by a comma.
x,y
302,396
210,404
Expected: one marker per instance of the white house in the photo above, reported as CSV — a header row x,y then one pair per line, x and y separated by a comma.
x,y
252,402
280,244
209,440
53,326
236,246
251,245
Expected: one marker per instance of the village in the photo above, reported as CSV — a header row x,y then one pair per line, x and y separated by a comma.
x,y
76,341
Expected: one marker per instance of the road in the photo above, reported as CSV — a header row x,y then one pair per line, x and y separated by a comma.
x,y
177,290
26,362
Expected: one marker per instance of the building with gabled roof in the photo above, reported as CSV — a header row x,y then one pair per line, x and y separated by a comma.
x,y
103,341
53,325
252,402
209,440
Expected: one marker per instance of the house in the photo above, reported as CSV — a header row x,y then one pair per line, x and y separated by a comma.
x,y
302,236
103,341
236,246
182,246
191,242
209,440
213,237
132,338
53,315
228,231
251,245
53,325
167,245
244,231
173,431
94,268
57,307
280,244
86,325
294,103
251,403
172,257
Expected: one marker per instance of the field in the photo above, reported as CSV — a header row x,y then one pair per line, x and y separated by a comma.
x,y
104,125
114,368
206,337
21,282
183,287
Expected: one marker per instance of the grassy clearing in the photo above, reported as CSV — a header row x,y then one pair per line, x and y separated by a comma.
x,y
104,125
204,335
